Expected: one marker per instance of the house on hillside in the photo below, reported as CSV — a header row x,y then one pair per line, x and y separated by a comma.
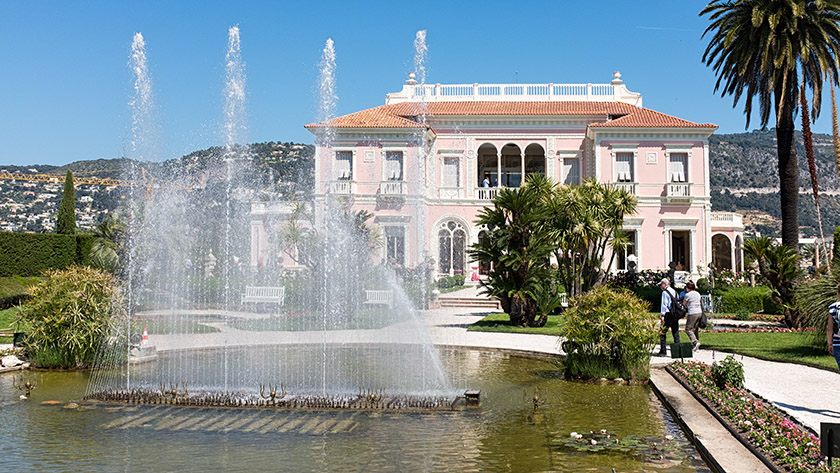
x,y
429,159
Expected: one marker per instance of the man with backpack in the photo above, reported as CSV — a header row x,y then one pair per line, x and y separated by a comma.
x,y
671,310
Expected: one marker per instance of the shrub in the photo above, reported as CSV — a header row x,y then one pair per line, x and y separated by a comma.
x,y
68,315
450,281
743,314
703,286
812,299
735,299
651,295
728,372
609,334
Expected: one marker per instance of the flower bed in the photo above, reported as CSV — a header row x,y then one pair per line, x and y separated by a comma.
x,y
767,330
752,317
789,445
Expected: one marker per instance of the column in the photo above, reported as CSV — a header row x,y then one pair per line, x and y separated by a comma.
x,y
499,168
522,164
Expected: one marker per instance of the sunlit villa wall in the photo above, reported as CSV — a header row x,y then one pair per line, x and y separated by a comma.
x,y
429,159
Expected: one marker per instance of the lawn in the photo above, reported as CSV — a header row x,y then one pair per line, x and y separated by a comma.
x,y
500,322
364,318
7,317
790,347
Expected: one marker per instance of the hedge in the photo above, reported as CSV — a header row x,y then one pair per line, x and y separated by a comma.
x,y
30,254
736,299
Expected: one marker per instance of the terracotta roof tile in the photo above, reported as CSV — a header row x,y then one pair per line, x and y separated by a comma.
x,y
378,117
403,115
647,118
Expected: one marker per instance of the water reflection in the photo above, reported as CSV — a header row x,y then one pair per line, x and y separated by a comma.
x,y
505,434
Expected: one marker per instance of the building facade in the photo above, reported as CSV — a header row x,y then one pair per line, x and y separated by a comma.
x,y
429,159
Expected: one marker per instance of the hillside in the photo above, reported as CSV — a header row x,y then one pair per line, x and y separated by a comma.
x,y
745,179
32,206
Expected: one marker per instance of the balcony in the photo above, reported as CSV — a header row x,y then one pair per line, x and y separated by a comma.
x,y
678,192
727,220
486,193
450,193
630,187
342,187
392,188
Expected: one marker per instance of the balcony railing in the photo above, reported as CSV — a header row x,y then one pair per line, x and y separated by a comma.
x,y
392,188
678,191
727,219
486,193
343,187
450,193
630,187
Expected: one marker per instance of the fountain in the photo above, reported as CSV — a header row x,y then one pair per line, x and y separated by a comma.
x,y
354,335
339,382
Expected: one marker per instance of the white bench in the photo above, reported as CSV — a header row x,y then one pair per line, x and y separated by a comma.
x,y
379,297
564,300
264,294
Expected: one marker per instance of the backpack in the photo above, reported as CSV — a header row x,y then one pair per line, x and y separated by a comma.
x,y
678,310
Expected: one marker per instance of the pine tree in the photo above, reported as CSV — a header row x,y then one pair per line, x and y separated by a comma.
x,y
66,223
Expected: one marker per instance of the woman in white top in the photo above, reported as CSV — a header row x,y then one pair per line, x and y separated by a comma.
x,y
694,311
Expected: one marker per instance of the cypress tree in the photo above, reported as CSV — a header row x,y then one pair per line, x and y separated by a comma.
x,y
66,223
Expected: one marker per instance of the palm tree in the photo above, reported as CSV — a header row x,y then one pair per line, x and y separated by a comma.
x,y
518,246
759,48
808,138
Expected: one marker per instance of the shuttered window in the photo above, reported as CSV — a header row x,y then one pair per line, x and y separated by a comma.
x,y
679,167
344,165
571,171
393,166
624,167
450,172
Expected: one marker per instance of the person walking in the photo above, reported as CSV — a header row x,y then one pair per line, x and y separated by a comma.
x,y
832,329
694,309
669,296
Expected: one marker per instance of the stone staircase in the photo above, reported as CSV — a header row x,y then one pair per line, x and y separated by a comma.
x,y
472,302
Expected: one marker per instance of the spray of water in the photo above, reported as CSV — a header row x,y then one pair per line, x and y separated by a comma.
x,y
235,123
191,268
420,53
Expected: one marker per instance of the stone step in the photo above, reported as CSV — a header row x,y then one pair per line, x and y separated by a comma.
x,y
469,302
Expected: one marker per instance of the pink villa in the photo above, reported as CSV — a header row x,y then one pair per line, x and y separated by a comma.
x,y
448,149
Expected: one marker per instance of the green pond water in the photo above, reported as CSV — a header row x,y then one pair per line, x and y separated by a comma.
x,y
505,434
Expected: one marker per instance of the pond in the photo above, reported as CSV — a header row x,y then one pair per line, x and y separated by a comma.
x,y
506,433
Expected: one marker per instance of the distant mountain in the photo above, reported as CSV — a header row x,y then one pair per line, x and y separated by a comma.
x,y
745,179
750,161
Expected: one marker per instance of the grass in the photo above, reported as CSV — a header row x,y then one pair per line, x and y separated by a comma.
x,y
452,289
160,327
7,318
788,347
500,322
365,318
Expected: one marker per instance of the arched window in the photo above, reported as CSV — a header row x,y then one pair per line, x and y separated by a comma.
x,y
721,252
452,241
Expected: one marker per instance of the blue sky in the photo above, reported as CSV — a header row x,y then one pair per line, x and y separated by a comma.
x,y
65,83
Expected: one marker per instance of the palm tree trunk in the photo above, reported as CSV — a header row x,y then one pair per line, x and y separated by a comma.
x,y
788,169
834,127
808,138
